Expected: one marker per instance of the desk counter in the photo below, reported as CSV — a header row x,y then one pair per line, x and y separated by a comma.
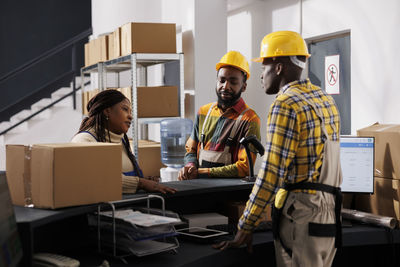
x,y
39,228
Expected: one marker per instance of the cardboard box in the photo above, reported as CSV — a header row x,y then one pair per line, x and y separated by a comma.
x,y
160,101
84,102
86,96
150,158
90,48
114,44
102,48
87,59
189,106
148,38
63,175
92,52
127,91
153,102
384,201
387,148
111,46
234,211
117,43
97,50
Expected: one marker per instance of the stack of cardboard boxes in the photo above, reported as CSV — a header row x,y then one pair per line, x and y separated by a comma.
x,y
385,200
138,37
133,37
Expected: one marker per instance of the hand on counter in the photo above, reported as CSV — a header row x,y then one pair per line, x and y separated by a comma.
x,y
188,173
152,186
240,239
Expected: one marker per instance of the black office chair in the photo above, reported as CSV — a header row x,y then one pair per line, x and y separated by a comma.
x,y
245,141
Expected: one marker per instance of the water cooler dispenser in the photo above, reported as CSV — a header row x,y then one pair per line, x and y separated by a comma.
x,y
174,134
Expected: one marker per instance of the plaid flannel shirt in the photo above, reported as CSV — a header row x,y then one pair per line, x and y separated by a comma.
x,y
294,145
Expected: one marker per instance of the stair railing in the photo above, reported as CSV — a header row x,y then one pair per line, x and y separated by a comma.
x,y
46,55
42,109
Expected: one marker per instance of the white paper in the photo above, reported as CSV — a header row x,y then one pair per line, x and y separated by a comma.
x,y
141,219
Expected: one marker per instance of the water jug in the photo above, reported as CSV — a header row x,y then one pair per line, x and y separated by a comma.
x,y
174,134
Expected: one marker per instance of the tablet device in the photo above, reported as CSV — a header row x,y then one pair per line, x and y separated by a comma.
x,y
201,233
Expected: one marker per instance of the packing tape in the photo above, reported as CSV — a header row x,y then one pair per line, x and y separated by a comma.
x,y
27,177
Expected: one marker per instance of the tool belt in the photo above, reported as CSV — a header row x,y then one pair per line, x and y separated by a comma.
x,y
322,230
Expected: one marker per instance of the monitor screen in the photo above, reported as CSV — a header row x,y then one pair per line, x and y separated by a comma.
x,y
357,161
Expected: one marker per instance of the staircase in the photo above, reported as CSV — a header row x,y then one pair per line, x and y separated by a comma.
x,y
56,124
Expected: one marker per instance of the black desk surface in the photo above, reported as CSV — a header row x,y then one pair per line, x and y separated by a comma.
x,y
194,254
37,217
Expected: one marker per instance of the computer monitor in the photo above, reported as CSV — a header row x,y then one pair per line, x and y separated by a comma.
x,y
10,244
357,162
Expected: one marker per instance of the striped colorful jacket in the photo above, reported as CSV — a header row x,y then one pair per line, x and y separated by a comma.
x,y
217,131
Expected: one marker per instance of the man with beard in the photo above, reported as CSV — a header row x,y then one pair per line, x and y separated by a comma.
x,y
213,149
300,173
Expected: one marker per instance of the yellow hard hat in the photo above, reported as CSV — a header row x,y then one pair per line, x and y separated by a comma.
x,y
236,60
282,43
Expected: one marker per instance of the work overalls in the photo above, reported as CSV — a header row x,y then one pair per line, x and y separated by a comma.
x,y
307,227
210,159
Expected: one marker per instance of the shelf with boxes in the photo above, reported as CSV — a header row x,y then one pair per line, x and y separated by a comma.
x,y
134,48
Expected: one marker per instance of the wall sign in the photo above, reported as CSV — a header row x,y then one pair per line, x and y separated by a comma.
x,y
332,74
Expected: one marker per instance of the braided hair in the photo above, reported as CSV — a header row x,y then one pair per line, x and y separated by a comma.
x,y
97,121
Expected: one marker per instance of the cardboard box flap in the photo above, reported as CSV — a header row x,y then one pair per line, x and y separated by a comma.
x,y
377,127
68,145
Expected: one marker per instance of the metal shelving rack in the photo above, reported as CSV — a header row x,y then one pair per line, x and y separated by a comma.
x,y
137,63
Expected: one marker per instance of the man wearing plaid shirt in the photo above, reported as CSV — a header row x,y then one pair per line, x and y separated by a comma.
x,y
300,174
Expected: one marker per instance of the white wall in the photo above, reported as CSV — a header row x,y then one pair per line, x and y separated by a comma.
x,y
210,38
246,27
108,15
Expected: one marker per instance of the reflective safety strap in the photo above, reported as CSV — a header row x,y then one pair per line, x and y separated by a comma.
x,y
202,136
234,128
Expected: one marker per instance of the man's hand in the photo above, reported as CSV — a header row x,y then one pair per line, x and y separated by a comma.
x,y
152,186
240,239
187,173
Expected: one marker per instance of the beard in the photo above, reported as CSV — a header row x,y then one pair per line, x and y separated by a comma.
x,y
228,102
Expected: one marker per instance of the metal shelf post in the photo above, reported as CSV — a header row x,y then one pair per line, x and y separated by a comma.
x,y
132,63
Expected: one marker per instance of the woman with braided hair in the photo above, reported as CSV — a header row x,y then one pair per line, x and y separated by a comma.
x,y
109,119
